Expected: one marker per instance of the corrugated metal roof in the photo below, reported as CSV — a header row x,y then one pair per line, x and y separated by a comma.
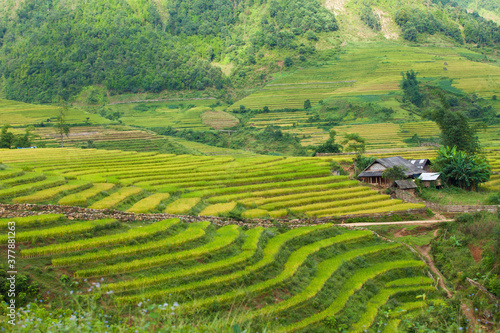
x,y
429,176
390,162
406,184
420,163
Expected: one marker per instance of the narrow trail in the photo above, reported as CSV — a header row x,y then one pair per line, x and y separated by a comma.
x,y
425,252
369,224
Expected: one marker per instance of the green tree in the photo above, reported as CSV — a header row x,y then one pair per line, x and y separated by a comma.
x,y
456,130
6,137
329,146
61,127
25,140
397,172
411,90
352,142
288,62
461,169
307,104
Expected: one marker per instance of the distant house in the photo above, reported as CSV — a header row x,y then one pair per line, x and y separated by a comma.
x,y
424,164
431,179
373,173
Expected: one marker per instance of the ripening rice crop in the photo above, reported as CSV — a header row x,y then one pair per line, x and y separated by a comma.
x,y
182,205
81,198
32,220
20,189
148,203
214,210
135,233
255,213
117,197
58,231
49,193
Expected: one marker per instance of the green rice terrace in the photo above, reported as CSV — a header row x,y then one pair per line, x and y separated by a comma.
x,y
372,72
263,186
272,280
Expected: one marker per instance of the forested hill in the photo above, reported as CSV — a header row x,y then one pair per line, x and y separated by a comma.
x,y
51,48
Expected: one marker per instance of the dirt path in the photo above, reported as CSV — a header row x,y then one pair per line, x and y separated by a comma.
x,y
425,252
368,224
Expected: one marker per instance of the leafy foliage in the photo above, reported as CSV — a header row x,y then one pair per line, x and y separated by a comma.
x,y
53,49
370,18
461,169
329,146
354,142
395,173
456,129
411,90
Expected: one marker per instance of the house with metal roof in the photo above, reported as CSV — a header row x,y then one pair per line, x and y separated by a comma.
x,y
424,164
430,179
372,174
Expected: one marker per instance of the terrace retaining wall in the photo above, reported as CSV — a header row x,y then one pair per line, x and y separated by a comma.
x,y
400,194
81,213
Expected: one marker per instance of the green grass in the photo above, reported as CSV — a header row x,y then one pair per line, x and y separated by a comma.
x,y
455,196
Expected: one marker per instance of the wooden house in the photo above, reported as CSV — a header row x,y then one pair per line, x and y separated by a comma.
x,y
373,173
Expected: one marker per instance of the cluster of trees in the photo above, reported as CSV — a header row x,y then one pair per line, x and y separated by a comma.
x,y
415,21
202,17
477,30
54,50
370,18
9,140
269,140
462,169
288,19
411,89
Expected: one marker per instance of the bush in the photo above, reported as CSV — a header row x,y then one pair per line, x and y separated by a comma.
x,y
493,199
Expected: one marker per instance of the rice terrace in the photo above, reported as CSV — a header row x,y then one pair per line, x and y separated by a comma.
x,y
250,166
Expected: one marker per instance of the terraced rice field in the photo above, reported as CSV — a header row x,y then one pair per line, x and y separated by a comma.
x,y
183,114
265,186
378,136
278,279
493,157
17,113
374,69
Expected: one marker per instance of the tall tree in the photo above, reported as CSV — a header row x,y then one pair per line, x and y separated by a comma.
x,y
61,126
456,130
411,90
353,142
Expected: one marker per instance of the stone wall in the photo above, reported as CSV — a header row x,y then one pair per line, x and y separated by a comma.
x,y
80,213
